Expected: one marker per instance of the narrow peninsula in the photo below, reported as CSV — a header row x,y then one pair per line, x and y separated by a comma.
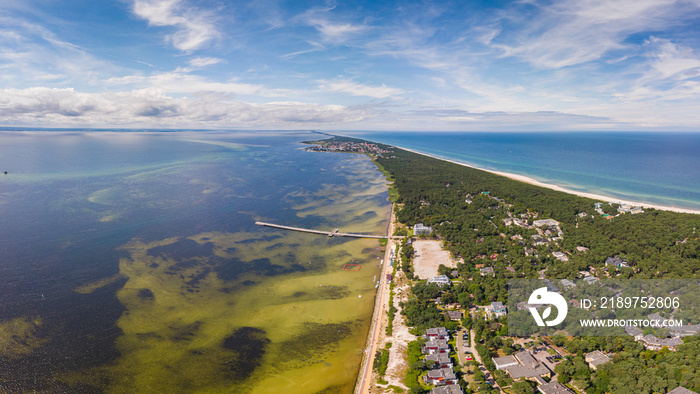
x,y
446,325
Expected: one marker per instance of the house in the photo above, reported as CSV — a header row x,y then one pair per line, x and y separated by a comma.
x,y
441,377
497,309
454,274
581,248
441,360
635,332
545,222
582,214
508,221
454,315
560,256
681,390
554,388
567,284
439,346
630,209
419,229
521,223
449,389
590,279
537,240
487,271
596,358
550,286
616,262
652,342
525,366
441,280
438,333
683,331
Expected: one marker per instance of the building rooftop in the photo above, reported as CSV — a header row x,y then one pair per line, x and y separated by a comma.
x,y
596,358
504,362
527,367
652,340
439,358
440,279
554,388
446,373
545,222
633,331
498,307
449,389
681,390
454,315
439,331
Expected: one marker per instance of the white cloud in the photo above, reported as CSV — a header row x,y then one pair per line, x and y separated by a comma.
x,y
196,27
178,82
154,108
673,61
331,31
200,62
572,32
357,89
31,54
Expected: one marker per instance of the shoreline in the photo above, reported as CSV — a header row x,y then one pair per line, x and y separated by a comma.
x,y
375,336
535,182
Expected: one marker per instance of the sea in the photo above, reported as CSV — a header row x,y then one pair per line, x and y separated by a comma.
x,y
131,262
660,168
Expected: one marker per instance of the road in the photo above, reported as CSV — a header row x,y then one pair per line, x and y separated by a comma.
x,y
380,307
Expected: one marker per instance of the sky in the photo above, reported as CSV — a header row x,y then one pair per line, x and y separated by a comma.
x,y
472,65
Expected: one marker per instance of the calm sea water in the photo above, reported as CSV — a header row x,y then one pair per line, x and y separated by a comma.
x,y
660,168
130,262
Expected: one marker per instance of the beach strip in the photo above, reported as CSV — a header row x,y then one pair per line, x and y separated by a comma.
x,y
532,181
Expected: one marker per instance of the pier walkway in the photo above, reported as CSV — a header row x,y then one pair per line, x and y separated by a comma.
x,y
334,233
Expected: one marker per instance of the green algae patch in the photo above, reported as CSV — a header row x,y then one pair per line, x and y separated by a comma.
x,y
18,336
291,312
92,286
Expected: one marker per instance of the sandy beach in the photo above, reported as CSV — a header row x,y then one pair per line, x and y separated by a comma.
x,y
526,179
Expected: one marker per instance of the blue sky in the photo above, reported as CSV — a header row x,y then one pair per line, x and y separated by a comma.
x,y
352,65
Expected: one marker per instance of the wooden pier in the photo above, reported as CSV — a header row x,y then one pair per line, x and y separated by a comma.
x,y
334,233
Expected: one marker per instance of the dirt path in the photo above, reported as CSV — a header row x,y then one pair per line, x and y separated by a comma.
x,y
398,364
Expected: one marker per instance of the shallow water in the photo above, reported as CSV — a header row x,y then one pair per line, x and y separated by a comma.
x,y
130,262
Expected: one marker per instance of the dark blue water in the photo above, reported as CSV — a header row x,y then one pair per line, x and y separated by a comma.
x,y
659,168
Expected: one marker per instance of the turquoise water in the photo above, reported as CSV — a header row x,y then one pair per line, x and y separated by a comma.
x,y
658,168
130,262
